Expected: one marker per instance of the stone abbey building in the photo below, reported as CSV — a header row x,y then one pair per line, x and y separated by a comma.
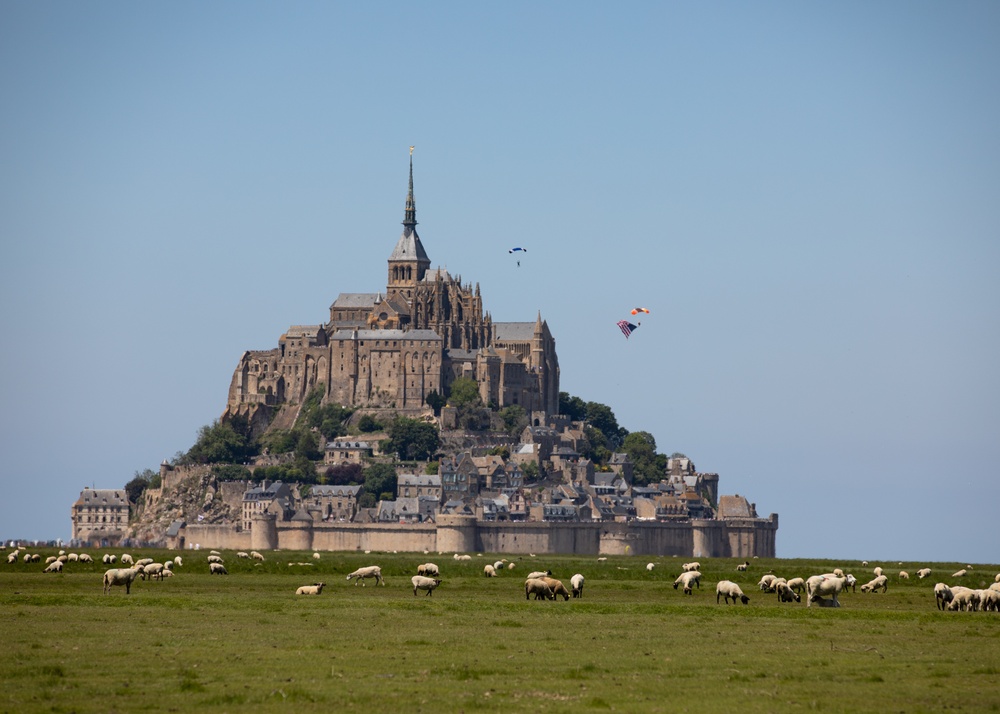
x,y
391,349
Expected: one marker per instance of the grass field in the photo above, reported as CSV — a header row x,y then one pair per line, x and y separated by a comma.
x,y
245,642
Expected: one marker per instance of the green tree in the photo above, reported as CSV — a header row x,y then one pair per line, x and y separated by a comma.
x,y
380,481
344,475
411,439
641,449
307,446
231,472
139,483
514,419
432,468
530,471
435,401
279,441
573,407
219,443
368,424
464,393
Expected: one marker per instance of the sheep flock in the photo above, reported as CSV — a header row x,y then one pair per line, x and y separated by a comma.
x,y
964,590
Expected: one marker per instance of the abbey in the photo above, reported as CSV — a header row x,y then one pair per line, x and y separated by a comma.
x,y
391,349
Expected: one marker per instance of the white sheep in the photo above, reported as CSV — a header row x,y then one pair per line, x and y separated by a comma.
x,y
797,584
538,588
255,555
536,574
178,561
489,571
73,557
428,569
120,576
877,571
217,569
316,556
687,579
55,566
577,582
743,566
500,564
903,575
964,598
990,599
109,559
688,567
152,571
785,593
923,573
766,583
510,566
215,559
878,583
819,585
315,589
960,574
51,559
86,558
372,571
127,559
729,590
942,595
557,588
650,566
242,554
144,561
428,584
997,578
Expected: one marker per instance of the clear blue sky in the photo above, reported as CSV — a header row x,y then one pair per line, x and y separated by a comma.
x,y
806,195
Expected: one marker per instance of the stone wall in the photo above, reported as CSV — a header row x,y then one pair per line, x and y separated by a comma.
x,y
463,534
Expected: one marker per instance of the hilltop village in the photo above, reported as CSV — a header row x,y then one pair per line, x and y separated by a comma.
x,y
396,353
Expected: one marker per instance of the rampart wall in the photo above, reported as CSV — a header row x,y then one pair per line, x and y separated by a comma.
x,y
743,538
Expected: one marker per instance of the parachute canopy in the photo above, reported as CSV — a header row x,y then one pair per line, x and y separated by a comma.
x,y
627,327
637,310
516,250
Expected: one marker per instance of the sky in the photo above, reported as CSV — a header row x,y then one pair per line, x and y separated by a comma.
x,y
805,195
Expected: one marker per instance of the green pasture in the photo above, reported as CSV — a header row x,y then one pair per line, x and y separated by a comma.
x,y
246,642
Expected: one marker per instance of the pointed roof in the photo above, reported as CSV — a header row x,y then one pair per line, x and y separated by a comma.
x,y
409,246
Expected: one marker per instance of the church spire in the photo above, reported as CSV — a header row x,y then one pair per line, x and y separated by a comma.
x,y
410,216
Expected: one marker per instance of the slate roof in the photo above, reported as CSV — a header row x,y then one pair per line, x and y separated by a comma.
x,y
409,247
102,496
357,300
514,331
428,335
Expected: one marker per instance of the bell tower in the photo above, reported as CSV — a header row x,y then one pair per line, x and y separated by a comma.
x,y
408,261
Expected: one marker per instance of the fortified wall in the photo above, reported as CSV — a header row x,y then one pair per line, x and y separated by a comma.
x,y
743,538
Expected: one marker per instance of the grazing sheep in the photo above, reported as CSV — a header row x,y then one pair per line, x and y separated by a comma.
x,y
428,569
557,588
120,576
923,573
797,584
86,558
489,571
766,583
168,565
964,598
601,559
55,566
35,557
316,556
820,585
51,559
462,557
255,555
510,566
879,583
12,558
942,596
688,567
786,594
372,571
650,566
538,588
990,600
577,582
729,590
500,564
960,574
997,578
217,569
743,566
215,559
877,571
315,589
840,573
428,584
903,575
127,559
109,559
242,554
687,579
178,561
152,571
537,574
144,561
73,557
